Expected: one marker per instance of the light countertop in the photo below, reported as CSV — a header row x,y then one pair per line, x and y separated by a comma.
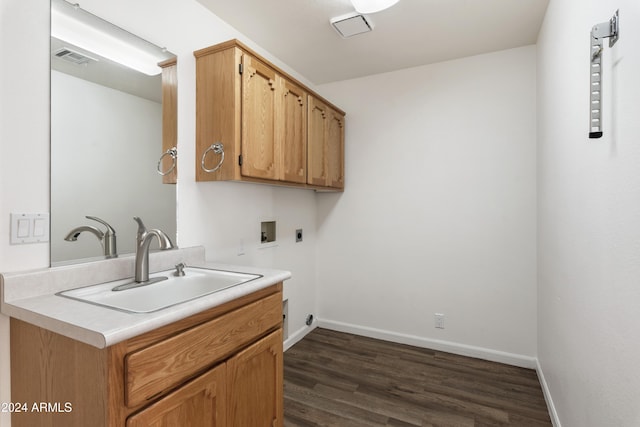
x,y
31,296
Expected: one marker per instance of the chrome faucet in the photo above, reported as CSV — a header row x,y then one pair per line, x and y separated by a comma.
x,y
143,241
107,238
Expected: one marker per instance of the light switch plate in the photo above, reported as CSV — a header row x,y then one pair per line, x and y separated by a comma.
x,y
29,228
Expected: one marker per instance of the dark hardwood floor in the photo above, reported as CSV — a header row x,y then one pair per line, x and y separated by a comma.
x,y
338,379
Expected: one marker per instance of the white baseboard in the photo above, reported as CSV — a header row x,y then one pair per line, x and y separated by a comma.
x,y
447,346
547,396
298,335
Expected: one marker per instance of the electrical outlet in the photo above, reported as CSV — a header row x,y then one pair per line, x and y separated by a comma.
x,y
439,320
299,235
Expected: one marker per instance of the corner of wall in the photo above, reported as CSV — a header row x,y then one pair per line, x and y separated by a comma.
x,y
555,420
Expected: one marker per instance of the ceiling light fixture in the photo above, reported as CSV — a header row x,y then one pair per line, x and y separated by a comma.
x,y
372,6
89,32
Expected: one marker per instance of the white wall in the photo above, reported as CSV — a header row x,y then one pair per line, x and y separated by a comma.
x,y
589,218
439,210
24,153
439,207
112,140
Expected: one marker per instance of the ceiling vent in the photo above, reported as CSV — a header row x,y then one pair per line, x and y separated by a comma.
x,y
73,56
351,25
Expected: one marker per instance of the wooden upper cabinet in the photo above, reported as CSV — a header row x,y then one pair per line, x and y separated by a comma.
x,y
261,116
317,173
169,118
260,148
335,150
325,145
294,132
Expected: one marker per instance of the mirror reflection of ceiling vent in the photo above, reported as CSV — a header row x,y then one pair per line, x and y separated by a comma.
x,y
351,25
73,56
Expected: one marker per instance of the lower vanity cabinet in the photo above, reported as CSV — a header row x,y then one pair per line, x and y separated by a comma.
x,y
221,367
201,402
255,380
244,391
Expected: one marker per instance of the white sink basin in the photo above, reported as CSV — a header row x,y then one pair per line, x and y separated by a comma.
x,y
196,282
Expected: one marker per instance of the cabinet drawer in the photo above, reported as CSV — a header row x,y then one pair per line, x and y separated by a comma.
x,y
155,369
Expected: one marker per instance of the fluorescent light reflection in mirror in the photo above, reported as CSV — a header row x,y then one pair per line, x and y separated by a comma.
x,y
89,32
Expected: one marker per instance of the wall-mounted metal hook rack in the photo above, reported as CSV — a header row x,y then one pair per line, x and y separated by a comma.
x,y
610,30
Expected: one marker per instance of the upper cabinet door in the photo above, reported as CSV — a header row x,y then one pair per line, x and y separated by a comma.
x,y
169,119
294,132
325,145
316,173
260,151
335,150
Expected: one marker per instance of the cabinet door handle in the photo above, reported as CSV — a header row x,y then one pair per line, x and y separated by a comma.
x,y
217,148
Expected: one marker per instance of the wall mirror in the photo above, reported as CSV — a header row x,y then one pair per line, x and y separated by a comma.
x,y
109,104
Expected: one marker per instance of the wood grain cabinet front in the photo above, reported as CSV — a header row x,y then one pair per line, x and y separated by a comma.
x,y
255,384
201,402
326,145
221,367
168,165
260,116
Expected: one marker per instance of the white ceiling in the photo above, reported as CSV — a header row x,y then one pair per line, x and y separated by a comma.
x,y
411,33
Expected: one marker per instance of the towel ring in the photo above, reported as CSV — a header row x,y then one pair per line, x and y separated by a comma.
x,y
217,148
173,152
